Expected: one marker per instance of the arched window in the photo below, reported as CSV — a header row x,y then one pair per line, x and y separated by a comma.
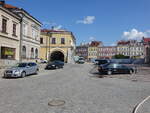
x,y
32,52
36,53
24,52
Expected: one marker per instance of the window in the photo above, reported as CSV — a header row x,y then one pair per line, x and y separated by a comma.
x,y
23,52
14,29
25,29
32,52
36,53
4,26
41,40
8,53
53,40
62,40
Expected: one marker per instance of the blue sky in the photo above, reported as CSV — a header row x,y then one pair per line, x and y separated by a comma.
x,y
104,20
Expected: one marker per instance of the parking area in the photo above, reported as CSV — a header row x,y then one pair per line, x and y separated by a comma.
x,y
72,89
143,74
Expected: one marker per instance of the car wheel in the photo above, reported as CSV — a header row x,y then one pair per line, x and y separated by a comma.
x,y
131,71
23,74
109,72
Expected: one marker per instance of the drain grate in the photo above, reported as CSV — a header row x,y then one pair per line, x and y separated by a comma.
x,y
56,102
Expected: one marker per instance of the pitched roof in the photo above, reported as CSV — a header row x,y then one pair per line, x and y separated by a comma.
x,y
146,39
12,8
8,6
122,42
95,43
53,30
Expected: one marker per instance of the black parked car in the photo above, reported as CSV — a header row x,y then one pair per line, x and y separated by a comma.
x,y
55,65
114,68
101,61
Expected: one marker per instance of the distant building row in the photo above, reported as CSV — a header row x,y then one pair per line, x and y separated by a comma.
x,y
131,48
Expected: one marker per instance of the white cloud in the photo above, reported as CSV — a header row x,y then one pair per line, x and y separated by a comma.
x,y
92,38
47,24
87,20
134,34
57,27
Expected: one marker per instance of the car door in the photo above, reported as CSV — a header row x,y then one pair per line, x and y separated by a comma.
x,y
124,69
35,67
117,68
30,69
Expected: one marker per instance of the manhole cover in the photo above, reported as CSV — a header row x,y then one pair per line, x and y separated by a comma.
x,y
56,102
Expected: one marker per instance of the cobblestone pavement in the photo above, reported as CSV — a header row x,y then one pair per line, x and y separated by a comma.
x,y
82,92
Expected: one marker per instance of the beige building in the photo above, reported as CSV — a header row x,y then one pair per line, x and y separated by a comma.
x,y
9,36
30,33
57,45
19,36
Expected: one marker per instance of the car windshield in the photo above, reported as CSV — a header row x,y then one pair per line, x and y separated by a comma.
x,y
81,58
20,65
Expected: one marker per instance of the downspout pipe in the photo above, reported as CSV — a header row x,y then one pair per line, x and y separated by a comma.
x,y
21,37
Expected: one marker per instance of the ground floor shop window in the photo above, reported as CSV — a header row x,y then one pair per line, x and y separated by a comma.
x,y
8,53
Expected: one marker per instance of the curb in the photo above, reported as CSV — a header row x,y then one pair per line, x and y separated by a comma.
x,y
140,104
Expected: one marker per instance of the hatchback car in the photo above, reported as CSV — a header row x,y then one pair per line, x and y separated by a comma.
x,y
55,65
114,68
21,70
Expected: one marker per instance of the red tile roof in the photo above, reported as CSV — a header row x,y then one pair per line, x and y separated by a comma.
x,y
51,30
146,39
95,43
8,6
123,42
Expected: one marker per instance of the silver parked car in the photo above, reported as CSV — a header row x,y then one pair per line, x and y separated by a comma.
x,y
21,70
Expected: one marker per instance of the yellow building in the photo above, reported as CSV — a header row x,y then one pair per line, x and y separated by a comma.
x,y
57,45
93,50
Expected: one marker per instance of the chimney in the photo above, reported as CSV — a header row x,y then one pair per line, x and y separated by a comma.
x,y
2,3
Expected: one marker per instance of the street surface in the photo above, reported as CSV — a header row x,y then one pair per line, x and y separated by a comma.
x,y
82,92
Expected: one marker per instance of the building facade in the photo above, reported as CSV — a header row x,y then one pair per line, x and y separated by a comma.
x,y
107,52
131,48
29,33
93,50
146,42
82,51
57,45
9,36
30,38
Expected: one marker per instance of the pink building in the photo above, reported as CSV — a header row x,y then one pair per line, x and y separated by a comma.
x,y
146,42
107,52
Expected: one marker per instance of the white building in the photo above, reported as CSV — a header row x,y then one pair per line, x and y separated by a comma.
x,y
30,35
131,48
